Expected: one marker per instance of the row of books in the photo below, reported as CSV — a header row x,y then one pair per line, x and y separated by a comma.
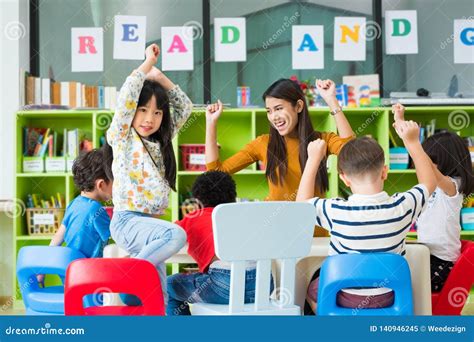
x,y
41,142
35,201
426,131
44,91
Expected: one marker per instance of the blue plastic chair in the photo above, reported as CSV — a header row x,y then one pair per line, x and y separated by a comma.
x,y
365,270
33,260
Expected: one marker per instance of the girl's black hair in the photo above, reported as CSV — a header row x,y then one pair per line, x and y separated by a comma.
x,y
108,156
450,153
277,159
164,134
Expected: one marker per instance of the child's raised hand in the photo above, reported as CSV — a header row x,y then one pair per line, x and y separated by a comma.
x,y
326,88
214,111
317,150
154,74
152,52
398,111
409,131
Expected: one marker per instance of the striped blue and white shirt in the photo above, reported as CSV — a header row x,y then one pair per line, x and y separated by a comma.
x,y
370,223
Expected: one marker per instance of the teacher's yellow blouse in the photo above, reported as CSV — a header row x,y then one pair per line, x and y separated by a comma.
x,y
257,150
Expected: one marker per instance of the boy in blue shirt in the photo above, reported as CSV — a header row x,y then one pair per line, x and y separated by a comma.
x,y
85,226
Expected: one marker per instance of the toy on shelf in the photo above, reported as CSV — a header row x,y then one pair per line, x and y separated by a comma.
x,y
363,90
243,97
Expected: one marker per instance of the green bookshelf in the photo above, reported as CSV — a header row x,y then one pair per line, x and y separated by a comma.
x,y
236,128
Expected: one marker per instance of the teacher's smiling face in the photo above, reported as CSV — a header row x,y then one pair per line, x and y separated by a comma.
x,y
283,115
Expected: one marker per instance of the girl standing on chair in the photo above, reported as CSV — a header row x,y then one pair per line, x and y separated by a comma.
x,y
144,166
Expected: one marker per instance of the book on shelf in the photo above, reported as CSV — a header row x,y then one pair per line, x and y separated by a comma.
x,y
22,81
36,201
45,142
30,90
37,92
32,138
76,142
45,91
100,97
79,95
56,93
72,143
65,93
72,94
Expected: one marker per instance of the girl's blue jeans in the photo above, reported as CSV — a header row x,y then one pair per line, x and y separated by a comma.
x,y
149,238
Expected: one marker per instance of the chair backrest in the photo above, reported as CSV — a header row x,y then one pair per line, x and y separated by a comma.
x,y
262,232
456,290
365,270
117,275
110,211
33,260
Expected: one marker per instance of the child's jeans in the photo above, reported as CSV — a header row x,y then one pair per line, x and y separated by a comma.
x,y
211,287
149,238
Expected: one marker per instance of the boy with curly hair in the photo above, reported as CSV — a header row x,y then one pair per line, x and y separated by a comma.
x,y
85,226
211,284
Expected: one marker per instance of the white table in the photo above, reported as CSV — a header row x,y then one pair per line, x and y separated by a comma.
x,y
418,257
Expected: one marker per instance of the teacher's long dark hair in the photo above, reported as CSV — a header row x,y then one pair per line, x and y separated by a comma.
x,y
277,158
164,135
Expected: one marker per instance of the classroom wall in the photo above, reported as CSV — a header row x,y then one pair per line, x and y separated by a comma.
x,y
14,28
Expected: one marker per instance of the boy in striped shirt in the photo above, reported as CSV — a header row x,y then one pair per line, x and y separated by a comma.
x,y
369,221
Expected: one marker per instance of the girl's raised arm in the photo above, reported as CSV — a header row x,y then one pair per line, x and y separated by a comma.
x,y
128,98
180,102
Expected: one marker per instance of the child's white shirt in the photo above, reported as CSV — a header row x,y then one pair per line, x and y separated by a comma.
x,y
370,224
439,225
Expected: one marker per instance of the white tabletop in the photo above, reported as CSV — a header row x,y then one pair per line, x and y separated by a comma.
x,y
319,247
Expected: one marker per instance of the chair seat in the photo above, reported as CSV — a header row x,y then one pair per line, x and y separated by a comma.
x,y
205,309
114,311
48,300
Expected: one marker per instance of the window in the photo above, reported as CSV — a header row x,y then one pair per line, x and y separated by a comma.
x,y
433,67
268,43
57,17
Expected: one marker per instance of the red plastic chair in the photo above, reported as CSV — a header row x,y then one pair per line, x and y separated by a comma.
x,y
110,211
454,294
117,275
